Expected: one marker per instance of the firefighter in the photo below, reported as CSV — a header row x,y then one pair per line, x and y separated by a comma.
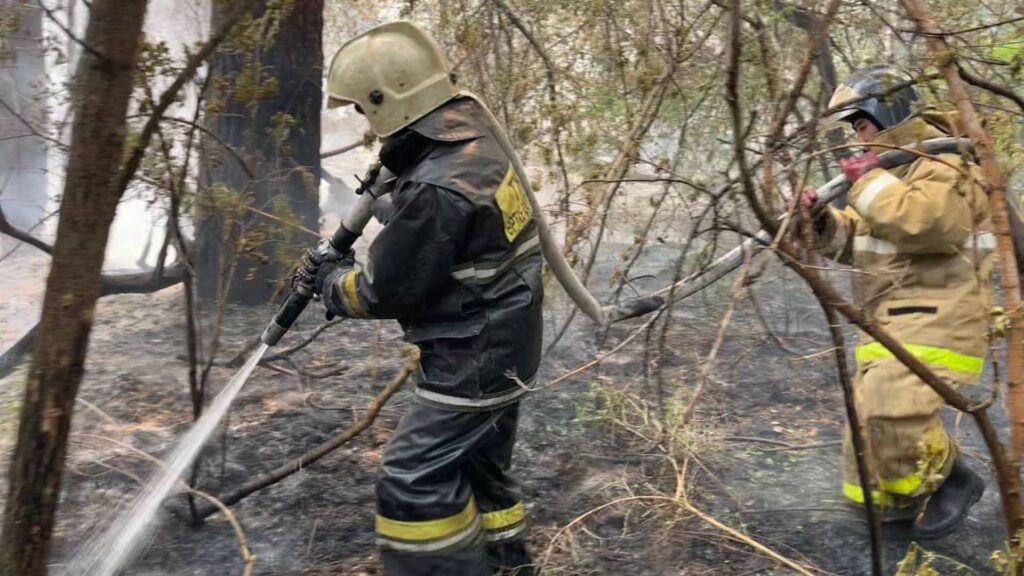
x,y
920,237
458,264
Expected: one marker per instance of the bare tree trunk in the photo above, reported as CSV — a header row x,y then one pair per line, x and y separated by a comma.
x,y
22,153
285,173
103,86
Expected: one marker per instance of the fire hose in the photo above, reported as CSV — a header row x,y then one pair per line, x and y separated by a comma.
x,y
351,227
833,190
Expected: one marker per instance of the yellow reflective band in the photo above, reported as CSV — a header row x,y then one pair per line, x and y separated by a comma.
x,y
501,519
927,354
352,303
855,493
427,529
903,486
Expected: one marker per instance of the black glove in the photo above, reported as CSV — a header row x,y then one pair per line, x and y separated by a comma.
x,y
326,282
304,279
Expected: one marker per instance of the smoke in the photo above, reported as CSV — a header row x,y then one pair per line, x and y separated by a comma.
x,y
23,162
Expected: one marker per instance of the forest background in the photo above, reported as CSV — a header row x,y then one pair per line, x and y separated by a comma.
x,y
698,439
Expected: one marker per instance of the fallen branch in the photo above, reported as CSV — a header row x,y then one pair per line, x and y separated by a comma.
x,y
296,464
735,534
110,284
7,228
779,445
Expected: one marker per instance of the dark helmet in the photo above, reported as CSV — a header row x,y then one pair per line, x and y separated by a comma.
x,y
887,110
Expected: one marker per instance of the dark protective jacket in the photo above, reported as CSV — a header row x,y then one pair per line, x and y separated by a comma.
x,y
458,264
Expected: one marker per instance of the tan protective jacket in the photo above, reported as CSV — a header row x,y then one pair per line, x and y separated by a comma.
x,y
919,238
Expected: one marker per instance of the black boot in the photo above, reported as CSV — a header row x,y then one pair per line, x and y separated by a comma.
x,y
948,506
510,558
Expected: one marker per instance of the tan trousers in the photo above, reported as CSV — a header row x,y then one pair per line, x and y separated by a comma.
x,y
908,450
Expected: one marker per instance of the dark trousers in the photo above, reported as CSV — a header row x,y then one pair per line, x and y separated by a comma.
x,y
446,503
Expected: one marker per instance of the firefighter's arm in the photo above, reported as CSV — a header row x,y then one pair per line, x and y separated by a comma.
x,y
412,257
926,214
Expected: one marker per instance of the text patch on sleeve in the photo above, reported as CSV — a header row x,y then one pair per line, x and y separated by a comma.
x,y
515,207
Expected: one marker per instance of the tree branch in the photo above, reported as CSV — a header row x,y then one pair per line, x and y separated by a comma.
x,y
67,32
991,87
7,228
946,61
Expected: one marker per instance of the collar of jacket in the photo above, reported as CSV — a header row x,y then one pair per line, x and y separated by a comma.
x,y
400,151
927,124
456,120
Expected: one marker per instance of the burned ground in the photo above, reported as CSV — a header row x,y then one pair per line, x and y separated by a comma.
x,y
761,455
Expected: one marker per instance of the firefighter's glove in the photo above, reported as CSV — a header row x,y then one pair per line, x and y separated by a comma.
x,y
854,168
822,218
305,274
326,283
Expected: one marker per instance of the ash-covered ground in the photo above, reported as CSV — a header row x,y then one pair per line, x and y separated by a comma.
x,y
761,454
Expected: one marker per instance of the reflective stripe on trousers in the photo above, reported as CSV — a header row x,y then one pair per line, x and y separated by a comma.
x,y
431,398
500,525
931,355
428,535
885,499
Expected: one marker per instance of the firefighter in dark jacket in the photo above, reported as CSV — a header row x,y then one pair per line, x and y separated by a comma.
x,y
458,264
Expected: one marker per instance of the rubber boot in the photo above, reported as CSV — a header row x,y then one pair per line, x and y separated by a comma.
x,y
949,505
510,558
468,560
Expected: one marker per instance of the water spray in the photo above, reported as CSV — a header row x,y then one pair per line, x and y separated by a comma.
x,y
106,553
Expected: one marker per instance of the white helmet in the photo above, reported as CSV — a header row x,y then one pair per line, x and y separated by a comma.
x,y
395,73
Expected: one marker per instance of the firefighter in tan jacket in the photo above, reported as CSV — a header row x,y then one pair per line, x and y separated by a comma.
x,y
919,238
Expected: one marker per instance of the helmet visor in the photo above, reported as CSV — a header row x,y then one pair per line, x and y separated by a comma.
x,y
846,102
333,102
